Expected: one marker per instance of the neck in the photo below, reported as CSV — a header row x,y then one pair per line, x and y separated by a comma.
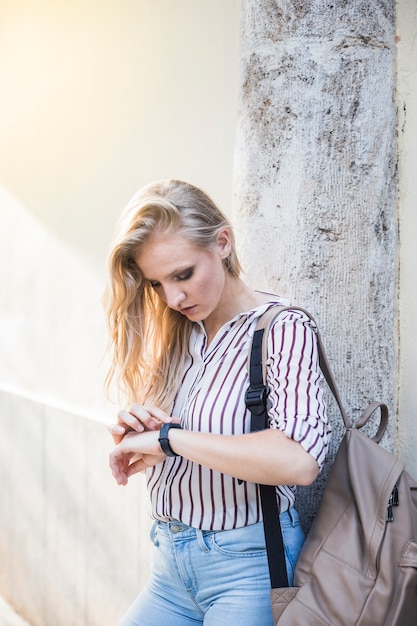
x,y
237,298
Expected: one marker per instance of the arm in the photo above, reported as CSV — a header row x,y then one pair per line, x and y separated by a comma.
x,y
296,403
267,457
290,452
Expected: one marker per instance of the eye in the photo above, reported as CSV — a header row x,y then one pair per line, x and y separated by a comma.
x,y
154,284
186,275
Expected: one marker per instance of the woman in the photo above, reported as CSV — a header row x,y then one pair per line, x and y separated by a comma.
x,y
181,321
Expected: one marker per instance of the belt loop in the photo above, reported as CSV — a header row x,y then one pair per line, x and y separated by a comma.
x,y
293,516
200,539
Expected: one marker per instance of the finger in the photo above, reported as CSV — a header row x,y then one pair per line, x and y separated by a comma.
x,y
135,468
160,416
119,475
150,417
118,466
131,420
121,479
117,431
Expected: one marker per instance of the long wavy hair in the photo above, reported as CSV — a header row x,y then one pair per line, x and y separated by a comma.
x,y
148,340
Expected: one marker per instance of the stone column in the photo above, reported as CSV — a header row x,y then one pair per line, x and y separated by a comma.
x,y
315,191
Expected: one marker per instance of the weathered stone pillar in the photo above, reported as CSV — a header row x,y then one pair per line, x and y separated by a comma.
x,y
315,179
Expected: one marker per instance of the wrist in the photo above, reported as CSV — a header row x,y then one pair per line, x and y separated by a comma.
x,y
164,438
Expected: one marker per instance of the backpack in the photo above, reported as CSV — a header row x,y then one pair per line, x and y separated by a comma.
x,y
358,565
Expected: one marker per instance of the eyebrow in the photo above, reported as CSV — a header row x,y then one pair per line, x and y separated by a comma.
x,y
176,272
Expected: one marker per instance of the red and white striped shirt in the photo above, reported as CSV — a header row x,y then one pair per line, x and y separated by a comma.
x,y
211,399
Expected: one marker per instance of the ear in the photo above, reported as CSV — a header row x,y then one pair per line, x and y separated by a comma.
x,y
224,242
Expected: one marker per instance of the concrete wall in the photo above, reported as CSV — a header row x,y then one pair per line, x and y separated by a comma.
x,y
98,98
316,181
407,137
73,548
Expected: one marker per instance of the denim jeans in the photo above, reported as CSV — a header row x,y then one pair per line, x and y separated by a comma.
x,y
215,578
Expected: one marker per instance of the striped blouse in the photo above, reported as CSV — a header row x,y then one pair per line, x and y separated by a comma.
x,y
211,398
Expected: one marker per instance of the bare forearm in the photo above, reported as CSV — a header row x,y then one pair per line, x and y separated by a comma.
x,y
267,457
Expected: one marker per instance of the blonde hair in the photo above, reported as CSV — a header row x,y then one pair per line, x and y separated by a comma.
x,y
148,340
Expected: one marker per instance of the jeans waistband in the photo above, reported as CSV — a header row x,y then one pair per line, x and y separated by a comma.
x,y
175,527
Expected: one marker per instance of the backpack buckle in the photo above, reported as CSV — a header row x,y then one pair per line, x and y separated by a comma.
x,y
255,399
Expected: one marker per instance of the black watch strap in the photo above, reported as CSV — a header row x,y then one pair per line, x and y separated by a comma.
x,y
164,438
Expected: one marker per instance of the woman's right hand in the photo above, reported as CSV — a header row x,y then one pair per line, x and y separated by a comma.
x,y
139,418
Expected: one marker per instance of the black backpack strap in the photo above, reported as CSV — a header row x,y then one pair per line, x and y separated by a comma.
x,y
257,392
265,322
256,396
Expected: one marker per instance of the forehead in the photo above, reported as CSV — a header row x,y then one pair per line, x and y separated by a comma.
x,y
166,254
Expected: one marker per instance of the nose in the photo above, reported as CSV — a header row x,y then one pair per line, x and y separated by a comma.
x,y
174,295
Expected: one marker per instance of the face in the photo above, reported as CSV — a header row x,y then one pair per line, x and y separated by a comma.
x,y
187,278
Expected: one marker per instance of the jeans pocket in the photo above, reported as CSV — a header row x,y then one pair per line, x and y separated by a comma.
x,y
293,538
154,534
246,541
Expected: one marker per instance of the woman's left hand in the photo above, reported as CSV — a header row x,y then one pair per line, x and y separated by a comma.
x,y
135,453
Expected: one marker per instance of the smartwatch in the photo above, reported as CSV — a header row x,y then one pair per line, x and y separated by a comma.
x,y
164,438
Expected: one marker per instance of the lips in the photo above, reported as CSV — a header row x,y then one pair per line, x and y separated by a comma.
x,y
188,310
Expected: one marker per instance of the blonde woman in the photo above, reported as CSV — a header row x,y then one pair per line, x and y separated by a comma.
x,y
181,320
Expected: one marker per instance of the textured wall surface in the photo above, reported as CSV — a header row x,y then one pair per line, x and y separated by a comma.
x,y
315,178
73,545
407,130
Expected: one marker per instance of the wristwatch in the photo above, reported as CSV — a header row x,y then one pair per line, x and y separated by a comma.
x,y
164,439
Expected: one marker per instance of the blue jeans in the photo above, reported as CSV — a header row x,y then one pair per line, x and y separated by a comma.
x,y
215,578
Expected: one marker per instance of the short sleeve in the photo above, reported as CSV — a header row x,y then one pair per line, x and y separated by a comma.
x,y
296,403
